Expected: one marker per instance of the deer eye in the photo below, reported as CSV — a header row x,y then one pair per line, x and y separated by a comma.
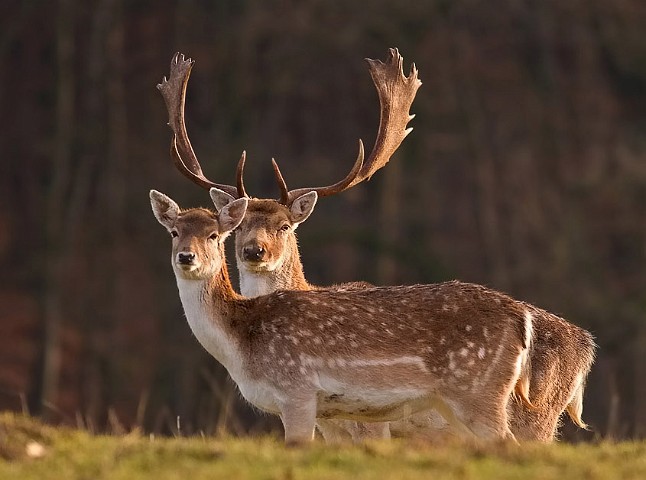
x,y
213,236
174,234
284,228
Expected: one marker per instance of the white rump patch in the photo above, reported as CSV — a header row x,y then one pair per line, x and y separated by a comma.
x,y
529,328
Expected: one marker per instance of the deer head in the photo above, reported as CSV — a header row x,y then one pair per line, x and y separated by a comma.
x,y
198,235
266,239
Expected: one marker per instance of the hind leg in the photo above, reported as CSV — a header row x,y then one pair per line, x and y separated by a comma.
x,y
485,420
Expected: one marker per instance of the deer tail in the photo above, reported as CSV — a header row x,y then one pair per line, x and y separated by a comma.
x,y
574,408
521,389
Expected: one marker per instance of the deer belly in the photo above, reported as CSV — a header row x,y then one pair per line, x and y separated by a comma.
x,y
351,401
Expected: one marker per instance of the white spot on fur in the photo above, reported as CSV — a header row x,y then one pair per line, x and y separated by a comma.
x,y
481,353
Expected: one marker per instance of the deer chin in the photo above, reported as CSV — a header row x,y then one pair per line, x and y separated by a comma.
x,y
259,267
194,271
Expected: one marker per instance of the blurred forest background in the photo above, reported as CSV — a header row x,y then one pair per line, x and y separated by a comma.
x,y
525,172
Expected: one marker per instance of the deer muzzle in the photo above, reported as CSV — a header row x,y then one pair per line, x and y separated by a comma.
x,y
253,253
186,260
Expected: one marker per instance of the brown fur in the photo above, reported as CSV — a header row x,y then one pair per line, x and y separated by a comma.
x,y
393,350
552,380
561,358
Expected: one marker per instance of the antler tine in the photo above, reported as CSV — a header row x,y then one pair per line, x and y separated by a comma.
x,y
284,193
322,191
239,174
396,94
173,90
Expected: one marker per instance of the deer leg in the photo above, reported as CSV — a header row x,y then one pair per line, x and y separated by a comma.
x,y
450,411
334,431
299,420
490,423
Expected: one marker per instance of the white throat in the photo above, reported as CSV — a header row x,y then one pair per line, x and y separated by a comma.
x,y
255,284
208,325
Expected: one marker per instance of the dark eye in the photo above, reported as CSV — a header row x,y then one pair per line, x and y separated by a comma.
x,y
174,234
213,236
284,228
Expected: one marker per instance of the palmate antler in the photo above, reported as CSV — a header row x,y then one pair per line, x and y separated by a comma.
x,y
396,94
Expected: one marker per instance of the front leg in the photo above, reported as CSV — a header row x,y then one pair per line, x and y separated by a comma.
x,y
299,418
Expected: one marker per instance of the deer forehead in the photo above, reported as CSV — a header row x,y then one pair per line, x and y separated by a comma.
x,y
264,215
196,222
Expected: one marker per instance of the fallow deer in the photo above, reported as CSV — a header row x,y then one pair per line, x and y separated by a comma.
x,y
373,354
268,259
263,269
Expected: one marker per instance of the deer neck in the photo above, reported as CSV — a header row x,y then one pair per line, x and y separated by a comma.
x,y
210,305
288,275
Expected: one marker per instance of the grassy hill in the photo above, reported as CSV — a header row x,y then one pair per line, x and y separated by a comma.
x,y
30,450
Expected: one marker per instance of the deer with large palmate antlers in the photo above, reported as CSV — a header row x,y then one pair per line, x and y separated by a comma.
x,y
374,354
267,255
396,93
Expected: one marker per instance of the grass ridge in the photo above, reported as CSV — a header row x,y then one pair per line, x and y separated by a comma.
x,y
31,450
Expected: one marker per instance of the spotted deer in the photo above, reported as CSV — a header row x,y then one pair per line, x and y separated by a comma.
x,y
261,254
373,354
268,259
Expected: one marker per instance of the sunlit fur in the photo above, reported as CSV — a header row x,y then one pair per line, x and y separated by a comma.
x,y
377,354
553,375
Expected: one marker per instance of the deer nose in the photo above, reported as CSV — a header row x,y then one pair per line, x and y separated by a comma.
x,y
185,258
253,253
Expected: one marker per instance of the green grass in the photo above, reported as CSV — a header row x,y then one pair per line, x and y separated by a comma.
x,y
72,454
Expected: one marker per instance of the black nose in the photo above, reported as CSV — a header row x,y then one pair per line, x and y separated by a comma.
x,y
253,253
185,258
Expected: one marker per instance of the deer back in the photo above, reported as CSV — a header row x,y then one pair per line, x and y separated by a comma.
x,y
460,334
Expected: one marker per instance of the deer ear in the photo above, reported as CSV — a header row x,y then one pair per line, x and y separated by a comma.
x,y
302,207
164,208
232,214
220,198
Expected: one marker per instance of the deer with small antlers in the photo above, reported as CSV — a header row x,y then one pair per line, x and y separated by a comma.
x,y
374,354
268,260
